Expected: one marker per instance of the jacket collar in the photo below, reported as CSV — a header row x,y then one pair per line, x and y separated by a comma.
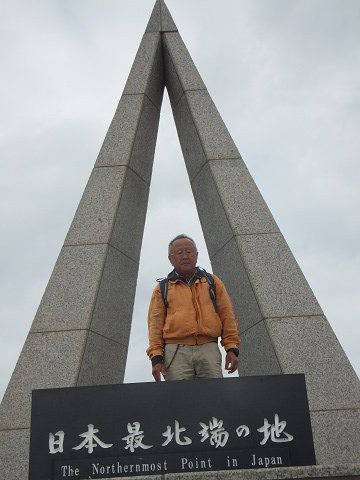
x,y
174,276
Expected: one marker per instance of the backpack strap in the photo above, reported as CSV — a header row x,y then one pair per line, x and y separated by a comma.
x,y
212,287
163,283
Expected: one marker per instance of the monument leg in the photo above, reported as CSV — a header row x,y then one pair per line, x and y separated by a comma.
x,y
81,331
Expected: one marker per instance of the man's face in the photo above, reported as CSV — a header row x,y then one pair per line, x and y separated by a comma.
x,y
183,257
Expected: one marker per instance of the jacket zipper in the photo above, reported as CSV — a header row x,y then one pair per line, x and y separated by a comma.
x,y
193,291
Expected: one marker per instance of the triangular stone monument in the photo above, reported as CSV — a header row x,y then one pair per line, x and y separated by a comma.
x,y
81,330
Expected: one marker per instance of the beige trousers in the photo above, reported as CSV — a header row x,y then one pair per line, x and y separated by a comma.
x,y
185,362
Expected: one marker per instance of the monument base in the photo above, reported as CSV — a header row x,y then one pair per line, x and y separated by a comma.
x,y
313,472
148,428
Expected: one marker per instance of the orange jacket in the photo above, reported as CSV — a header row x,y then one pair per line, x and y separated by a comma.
x,y
190,318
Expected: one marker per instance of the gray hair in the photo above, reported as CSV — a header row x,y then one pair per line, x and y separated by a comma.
x,y
179,237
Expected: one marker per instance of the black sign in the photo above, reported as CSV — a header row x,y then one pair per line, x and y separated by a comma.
x,y
157,428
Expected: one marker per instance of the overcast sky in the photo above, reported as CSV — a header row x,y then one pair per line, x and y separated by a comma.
x,y
284,75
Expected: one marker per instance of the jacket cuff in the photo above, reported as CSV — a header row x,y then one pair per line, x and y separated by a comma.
x,y
157,359
234,350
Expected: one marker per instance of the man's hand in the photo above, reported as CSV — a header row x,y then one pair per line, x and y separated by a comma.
x,y
231,362
157,371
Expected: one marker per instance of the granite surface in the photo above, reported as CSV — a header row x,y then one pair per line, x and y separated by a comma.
x,y
146,74
190,142
14,448
257,355
278,282
215,137
246,209
71,293
209,206
315,472
336,436
186,70
308,345
103,362
112,313
48,360
160,19
95,215
81,330
227,263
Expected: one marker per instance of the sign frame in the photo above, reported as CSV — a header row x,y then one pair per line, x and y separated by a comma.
x,y
180,426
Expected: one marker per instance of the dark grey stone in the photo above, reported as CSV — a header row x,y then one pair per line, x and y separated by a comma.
x,y
210,207
128,227
117,146
172,81
143,148
48,360
215,138
146,75
131,138
246,210
154,23
96,213
308,345
228,265
278,283
167,23
191,146
336,437
256,353
156,85
70,296
103,361
14,454
112,313
185,68
160,19
316,472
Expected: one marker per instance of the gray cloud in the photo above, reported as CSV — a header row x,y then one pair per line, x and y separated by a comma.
x,y
284,77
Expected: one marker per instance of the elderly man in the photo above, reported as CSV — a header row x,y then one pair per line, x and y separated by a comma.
x,y
186,317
